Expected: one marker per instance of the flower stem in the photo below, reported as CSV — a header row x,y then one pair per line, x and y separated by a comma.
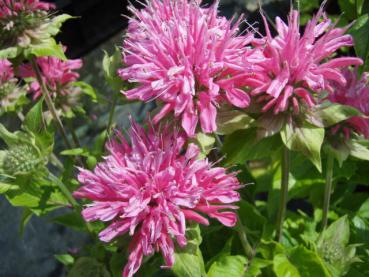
x,y
284,192
328,189
243,238
50,104
63,188
111,115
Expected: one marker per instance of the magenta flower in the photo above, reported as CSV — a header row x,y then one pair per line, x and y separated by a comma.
x,y
296,66
56,74
10,8
354,93
185,56
6,71
149,188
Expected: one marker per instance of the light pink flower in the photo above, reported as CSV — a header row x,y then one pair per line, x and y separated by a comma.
x,y
298,65
14,7
6,71
184,56
149,188
354,93
57,74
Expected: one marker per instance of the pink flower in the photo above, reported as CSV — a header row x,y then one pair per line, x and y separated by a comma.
x,y
6,71
296,66
14,7
354,93
149,188
184,56
57,74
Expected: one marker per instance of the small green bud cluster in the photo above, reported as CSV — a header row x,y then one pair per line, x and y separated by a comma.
x,y
21,160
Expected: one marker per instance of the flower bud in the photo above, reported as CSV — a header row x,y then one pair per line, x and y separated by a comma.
x,y
21,160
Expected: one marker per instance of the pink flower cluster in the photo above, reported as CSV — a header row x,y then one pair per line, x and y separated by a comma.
x,y
6,71
354,93
185,55
14,7
149,188
57,75
297,65
192,60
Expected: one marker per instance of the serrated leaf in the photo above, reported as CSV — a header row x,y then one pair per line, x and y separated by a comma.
x,y
299,261
33,120
231,266
48,48
306,139
56,23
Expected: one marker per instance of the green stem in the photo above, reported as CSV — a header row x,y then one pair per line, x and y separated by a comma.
x,y
50,104
63,188
284,192
74,135
328,189
244,241
55,161
111,115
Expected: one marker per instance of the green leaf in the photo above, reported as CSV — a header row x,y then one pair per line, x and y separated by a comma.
x,y
230,120
71,220
56,23
364,210
87,89
299,262
7,137
244,145
48,48
65,259
329,114
75,152
205,143
10,53
255,267
358,149
88,267
332,247
348,8
110,65
188,260
231,266
33,120
341,152
307,139
4,187
360,33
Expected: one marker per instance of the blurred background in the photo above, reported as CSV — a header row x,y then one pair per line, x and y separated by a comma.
x,y
99,26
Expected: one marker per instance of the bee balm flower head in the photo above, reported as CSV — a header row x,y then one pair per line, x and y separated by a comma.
x,y
298,65
179,53
354,93
149,189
